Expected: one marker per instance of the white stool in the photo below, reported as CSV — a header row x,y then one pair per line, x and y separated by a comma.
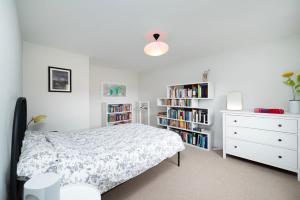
x,y
79,192
47,187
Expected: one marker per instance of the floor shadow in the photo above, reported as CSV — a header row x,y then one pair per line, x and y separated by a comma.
x,y
219,152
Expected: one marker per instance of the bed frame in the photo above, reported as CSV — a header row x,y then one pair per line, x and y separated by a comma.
x,y
18,133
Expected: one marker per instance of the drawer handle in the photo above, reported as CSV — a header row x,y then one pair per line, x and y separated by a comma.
x,y
235,147
279,157
235,133
279,125
235,121
279,140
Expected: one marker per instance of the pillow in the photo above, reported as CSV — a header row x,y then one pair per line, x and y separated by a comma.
x,y
37,155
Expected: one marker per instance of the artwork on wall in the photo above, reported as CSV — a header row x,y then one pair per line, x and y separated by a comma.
x,y
59,79
114,90
205,75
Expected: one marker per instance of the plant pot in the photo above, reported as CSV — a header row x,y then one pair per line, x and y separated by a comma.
x,y
294,106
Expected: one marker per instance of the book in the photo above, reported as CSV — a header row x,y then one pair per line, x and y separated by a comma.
x,y
269,110
199,91
194,139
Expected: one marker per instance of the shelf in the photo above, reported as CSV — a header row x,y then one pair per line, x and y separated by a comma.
x,y
188,101
204,124
197,98
194,146
113,113
116,104
179,120
184,129
163,117
162,125
184,84
117,113
183,107
121,121
189,121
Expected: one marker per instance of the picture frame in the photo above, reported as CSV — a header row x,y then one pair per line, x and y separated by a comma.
x,y
59,79
113,90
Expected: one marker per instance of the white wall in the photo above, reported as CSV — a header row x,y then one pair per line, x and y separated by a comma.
x,y
65,111
100,75
255,71
10,83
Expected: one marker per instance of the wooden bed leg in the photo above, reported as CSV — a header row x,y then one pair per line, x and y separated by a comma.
x,y
178,159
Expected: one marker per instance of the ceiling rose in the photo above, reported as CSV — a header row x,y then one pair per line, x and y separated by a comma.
x,y
156,48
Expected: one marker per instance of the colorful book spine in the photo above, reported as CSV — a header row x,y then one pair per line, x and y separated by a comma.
x,y
199,91
195,139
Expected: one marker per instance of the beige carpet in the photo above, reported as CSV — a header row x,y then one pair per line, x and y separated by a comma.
x,y
207,176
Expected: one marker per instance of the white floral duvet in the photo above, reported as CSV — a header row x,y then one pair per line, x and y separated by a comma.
x,y
104,157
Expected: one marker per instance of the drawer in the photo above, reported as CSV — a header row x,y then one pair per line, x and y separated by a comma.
x,y
278,157
265,123
283,140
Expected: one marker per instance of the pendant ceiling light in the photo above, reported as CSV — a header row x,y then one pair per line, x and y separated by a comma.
x,y
156,48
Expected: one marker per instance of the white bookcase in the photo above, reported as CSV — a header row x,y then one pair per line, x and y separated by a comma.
x,y
117,113
188,112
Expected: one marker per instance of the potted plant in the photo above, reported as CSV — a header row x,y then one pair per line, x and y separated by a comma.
x,y
294,83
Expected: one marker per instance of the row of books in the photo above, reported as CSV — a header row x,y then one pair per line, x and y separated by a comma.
x,y
269,110
163,121
191,91
176,102
180,114
196,139
119,108
119,117
200,116
199,128
180,124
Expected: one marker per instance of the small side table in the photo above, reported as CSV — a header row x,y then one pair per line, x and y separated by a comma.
x,y
42,187
47,187
79,192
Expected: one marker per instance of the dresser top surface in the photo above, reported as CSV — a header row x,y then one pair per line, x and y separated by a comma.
x,y
251,113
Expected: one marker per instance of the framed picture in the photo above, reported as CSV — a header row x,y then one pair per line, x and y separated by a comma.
x,y
114,90
59,79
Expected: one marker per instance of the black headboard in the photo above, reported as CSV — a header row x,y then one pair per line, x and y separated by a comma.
x,y
18,132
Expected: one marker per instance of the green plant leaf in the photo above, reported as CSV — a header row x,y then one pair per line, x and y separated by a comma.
x,y
298,78
287,81
297,85
290,82
298,91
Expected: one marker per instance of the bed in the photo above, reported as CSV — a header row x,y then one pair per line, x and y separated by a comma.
x,y
104,157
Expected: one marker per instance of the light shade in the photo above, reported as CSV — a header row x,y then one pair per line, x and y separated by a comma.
x,y
38,118
156,48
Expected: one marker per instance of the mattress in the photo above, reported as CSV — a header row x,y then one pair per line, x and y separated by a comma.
x,y
104,157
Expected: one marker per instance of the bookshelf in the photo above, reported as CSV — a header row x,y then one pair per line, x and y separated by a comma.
x,y
187,111
117,113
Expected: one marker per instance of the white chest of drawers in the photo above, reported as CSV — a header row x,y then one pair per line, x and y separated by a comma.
x,y
271,139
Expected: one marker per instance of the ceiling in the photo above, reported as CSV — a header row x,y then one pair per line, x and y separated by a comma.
x,y
114,32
